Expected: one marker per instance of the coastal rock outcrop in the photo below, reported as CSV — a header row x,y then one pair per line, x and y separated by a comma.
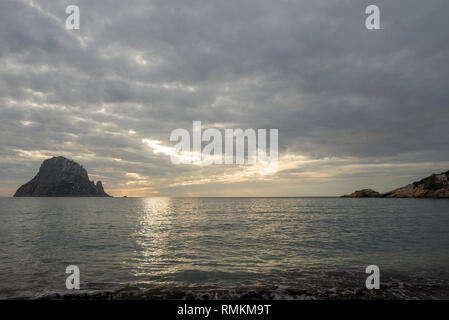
x,y
61,177
434,186
365,193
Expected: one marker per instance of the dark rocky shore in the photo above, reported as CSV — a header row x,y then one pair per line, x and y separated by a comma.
x,y
135,293
61,177
434,186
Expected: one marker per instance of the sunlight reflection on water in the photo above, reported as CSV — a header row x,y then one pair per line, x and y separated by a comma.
x,y
216,242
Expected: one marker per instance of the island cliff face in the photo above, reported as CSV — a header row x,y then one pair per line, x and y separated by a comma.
x,y
434,186
61,177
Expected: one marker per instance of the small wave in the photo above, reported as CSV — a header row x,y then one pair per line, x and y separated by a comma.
x,y
391,291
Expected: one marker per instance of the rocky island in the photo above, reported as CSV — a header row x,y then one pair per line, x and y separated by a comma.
x,y
434,186
61,177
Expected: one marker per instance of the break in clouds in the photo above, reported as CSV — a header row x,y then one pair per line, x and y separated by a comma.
x,y
354,107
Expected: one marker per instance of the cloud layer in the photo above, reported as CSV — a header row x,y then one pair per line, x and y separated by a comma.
x,y
354,108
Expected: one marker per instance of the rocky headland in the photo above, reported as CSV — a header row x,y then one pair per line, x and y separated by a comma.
x,y
434,186
61,177
364,193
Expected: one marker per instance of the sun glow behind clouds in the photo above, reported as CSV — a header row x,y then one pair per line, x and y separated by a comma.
x,y
229,173
262,167
183,156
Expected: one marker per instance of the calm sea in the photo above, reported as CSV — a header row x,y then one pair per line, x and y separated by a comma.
x,y
225,247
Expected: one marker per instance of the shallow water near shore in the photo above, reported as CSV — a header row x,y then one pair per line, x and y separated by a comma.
x,y
206,248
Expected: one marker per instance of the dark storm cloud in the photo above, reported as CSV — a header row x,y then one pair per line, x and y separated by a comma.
x,y
139,69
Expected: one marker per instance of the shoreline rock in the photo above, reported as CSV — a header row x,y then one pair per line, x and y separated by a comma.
x,y
365,193
435,186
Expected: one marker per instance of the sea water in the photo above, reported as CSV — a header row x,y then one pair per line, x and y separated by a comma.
x,y
274,248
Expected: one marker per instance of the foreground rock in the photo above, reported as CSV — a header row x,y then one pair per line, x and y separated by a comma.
x,y
61,177
135,293
434,186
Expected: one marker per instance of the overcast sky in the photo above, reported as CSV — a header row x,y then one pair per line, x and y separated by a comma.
x,y
355,108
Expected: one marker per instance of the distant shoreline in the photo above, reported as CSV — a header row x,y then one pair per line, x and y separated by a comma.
x,y
239,197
